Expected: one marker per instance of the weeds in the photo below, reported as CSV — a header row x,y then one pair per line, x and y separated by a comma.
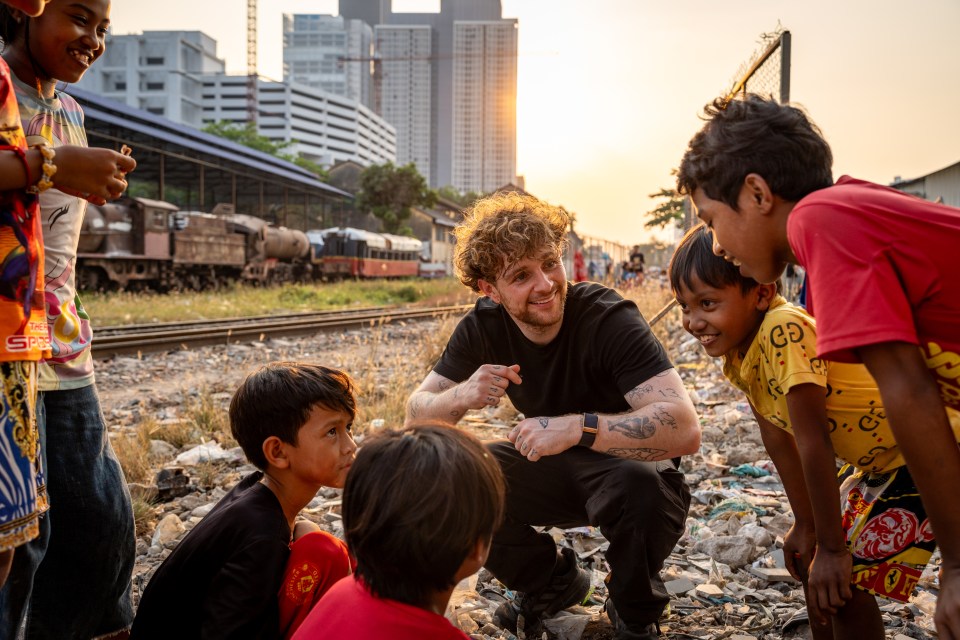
x,y
144,515
117,308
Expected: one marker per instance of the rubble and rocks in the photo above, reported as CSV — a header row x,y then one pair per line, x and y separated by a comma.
x,y
726,575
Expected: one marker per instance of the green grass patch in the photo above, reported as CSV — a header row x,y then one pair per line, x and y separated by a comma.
x,y
119,308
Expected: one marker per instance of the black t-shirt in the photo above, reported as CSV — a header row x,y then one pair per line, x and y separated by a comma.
x,y
603,350
223,578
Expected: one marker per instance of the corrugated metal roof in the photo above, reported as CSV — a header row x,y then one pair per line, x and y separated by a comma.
x,y
122,115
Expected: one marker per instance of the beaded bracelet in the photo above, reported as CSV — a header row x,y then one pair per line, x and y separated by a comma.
x,y
48,169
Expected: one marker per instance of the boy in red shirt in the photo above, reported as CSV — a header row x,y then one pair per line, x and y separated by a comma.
x,y
881,275
419,511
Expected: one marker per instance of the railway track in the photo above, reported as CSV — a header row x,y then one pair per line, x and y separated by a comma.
x,y
170,336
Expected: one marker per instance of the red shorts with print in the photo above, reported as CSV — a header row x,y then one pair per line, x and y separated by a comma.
x,y
887,531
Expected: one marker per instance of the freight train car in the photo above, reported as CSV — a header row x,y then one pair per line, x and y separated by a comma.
x,y
140,243
355,253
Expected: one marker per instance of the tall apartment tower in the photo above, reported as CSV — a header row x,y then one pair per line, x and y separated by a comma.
x,y
484,104
329,53
406,92
158,71
473,87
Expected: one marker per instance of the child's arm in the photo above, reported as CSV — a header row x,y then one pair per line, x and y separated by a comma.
x,y
13,174
919,422
832,565
800,542
83,170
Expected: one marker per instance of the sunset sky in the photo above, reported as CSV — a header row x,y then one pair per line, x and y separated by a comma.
x,y
610,90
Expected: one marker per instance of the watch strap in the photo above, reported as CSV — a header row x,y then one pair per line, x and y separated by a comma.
x,y
590,424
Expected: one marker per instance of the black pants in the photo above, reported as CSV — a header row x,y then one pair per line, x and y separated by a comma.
x,y
640,508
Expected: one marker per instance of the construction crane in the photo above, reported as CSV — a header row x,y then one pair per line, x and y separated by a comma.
x,y
252,61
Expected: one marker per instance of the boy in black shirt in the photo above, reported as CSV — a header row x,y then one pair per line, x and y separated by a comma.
x,y
605,414
222,581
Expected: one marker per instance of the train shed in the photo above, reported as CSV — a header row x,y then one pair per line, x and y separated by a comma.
x,y
197,171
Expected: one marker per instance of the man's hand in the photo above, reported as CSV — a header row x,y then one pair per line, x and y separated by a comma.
x,y
829,583
439,398
947,617
538,437
487,385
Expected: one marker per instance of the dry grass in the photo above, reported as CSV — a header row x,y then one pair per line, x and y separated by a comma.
x,y
144,516
118,308
133,453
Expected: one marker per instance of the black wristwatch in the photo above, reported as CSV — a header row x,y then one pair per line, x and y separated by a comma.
x,y
590,426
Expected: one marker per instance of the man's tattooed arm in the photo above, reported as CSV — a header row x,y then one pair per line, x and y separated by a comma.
x,y
644,455
638,427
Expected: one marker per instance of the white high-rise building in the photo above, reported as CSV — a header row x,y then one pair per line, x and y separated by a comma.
x,y
157,71
472,63
329,53
484,104
323,127
405,98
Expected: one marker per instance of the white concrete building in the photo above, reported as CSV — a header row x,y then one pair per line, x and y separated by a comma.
x,y
472,65
484,104
157,71
329,53
325,128
405,90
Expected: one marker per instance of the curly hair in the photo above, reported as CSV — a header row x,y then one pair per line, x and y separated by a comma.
x,y
500,229
755,135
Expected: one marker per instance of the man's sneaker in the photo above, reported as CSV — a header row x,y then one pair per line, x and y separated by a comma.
x,y
623,632
564,590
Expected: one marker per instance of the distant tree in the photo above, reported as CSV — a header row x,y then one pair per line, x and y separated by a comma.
x,y
667,213
247,135
389,192
464,199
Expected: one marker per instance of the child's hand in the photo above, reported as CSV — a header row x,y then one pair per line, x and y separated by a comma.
x,y
830,588
799,545
947,617
92,173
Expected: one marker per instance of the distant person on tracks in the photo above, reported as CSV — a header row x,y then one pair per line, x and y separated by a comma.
x,y
293,422
73,580
607,417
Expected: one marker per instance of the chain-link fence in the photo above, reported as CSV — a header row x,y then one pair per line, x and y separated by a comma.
x,y
767,71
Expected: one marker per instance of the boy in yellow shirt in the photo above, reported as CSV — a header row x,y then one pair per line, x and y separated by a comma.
x,y
810,411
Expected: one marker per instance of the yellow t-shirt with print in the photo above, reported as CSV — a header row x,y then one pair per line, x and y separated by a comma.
x,y
783,355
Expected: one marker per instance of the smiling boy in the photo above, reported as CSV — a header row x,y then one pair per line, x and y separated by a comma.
x,y
882,281
222,581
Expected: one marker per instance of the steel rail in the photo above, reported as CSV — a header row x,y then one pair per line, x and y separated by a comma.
x,y
196,334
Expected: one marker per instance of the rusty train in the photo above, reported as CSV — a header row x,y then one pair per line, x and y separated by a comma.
x,y
138,243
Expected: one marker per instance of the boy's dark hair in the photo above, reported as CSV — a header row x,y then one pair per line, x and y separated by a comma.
x,y
9,27
277,399
755,135
415,505
694,256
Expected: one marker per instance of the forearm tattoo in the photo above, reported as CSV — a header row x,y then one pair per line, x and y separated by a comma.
x,y
644,455
666,418
638,428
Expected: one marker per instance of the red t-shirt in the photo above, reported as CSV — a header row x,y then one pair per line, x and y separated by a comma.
x,y
348,611
882,267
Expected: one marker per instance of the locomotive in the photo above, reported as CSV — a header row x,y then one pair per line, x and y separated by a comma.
x,y
138,243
